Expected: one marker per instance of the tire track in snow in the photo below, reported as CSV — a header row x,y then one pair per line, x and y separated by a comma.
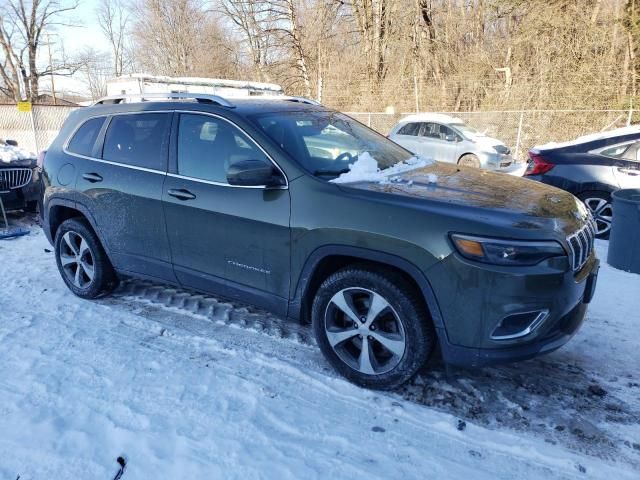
x,y
546,398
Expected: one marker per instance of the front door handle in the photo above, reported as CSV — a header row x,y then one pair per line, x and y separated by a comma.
x,y
181,194
92,177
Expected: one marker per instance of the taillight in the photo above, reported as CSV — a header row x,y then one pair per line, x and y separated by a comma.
x,y
40,160
537,165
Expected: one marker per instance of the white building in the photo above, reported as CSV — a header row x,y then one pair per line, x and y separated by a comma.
x,y
139,83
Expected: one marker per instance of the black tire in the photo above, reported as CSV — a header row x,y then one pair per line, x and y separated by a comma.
x,y
406,305
31,207
469,160
602,215
103,280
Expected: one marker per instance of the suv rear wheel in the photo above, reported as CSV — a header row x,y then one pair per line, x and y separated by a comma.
x,y
372,327
82,261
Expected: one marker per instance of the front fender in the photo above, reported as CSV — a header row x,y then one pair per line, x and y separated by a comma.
x,y
321,253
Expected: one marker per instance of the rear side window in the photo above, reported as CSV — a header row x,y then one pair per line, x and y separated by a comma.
x,y
410,129
85,137
138,140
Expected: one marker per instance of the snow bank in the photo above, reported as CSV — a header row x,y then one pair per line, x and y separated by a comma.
x,y
189,397
365,169
591,137
9,153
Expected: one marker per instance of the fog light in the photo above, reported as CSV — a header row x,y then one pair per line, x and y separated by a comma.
x,y
519,325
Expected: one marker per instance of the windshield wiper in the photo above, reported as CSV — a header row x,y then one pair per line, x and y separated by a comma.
x,y
334,173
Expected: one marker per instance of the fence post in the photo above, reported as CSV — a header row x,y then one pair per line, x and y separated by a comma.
x,y
33,128
630,114
369,120
519,137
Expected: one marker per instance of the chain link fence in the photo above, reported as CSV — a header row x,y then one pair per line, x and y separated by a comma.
x,y
33,130
520,130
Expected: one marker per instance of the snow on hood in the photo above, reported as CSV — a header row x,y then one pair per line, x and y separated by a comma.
x,y
365,169
591,137
9,153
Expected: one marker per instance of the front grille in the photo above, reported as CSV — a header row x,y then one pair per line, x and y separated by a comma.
x,y
12,178
581,244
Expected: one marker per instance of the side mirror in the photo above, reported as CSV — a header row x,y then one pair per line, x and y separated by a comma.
x,y
451,138
13,143
254,173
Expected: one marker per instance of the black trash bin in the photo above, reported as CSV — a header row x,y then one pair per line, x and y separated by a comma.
x,y
624,241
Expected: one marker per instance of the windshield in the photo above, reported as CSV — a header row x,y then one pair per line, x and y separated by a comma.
x,y
328,143
466,129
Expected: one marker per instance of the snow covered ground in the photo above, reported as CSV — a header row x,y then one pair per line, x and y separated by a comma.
x,y
185,386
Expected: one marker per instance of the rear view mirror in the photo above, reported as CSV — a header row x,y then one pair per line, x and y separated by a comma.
x,y
254,173
13,143
451,138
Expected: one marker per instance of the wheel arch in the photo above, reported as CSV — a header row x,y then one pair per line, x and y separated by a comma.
x,y
466,153
60,209
328,259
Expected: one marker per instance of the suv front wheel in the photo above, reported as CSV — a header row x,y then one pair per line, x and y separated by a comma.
x,y
82,262
372,327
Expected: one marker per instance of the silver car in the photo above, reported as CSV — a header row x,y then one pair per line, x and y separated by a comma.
x,y
448,139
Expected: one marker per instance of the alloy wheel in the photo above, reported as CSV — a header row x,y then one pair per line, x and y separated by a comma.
x,y
602,213
77,259
364,331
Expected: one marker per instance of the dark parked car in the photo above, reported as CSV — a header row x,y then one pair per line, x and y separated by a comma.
x,y
591,168
399,255
19,181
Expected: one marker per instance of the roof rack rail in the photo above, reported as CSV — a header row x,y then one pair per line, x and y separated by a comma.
x,y
300,100
150,97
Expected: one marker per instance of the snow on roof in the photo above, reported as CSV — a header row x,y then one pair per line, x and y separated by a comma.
x,y
431,117
618,132
201,81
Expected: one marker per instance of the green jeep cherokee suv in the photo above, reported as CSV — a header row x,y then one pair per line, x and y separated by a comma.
x,y
302,211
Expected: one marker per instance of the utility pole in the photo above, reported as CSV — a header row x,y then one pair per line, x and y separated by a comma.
x,y
53,86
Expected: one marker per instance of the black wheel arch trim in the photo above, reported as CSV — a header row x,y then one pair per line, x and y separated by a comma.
x,y
80,208
296,305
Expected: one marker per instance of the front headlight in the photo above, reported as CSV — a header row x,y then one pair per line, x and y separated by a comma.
x,y
506,252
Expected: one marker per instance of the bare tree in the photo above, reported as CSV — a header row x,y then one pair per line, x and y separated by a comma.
x,y
168,35
22,25
114,19
251,18
96,70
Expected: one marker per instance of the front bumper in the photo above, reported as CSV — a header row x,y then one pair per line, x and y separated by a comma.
x,y
495,161
474,301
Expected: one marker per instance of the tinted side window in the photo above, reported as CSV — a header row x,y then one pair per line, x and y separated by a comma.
x,y
431,130
207,146
138,140
446,131
84,139
632,153
616,151
409,129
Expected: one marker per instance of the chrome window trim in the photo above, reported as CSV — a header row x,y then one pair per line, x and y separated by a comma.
x,y
221,184
175,175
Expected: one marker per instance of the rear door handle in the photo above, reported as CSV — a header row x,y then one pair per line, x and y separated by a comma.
x,y
181,194
92,177
629,171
